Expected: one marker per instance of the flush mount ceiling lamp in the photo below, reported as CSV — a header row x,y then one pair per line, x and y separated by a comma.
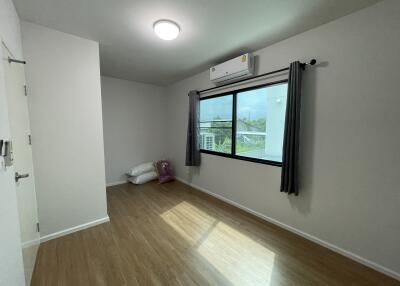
x,y
166,30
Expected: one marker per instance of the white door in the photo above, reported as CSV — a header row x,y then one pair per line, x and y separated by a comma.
x,y
22,160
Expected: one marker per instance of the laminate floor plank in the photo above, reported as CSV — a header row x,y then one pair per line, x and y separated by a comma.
x,y
172,234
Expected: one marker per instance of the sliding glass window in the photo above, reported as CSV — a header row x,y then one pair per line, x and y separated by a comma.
x,y
247,124
216,124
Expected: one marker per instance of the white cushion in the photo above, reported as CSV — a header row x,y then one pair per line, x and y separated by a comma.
x,y
141,169
143,178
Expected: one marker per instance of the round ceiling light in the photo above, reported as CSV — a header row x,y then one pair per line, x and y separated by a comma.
x,y
166,30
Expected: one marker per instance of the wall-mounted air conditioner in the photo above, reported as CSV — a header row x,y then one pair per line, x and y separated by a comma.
x,y
233,70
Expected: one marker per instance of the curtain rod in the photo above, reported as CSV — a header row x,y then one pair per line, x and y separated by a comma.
x,y
311,63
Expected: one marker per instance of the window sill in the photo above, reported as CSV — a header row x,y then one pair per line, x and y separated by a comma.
x,y
248,159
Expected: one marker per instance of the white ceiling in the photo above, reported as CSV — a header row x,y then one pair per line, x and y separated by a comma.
x,y
211,30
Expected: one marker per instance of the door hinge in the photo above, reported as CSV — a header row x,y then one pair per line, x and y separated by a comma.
x,y
37,227
25,90
30,139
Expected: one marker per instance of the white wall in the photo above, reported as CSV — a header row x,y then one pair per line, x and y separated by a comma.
x,y
63,79
350,138
135,127
11,265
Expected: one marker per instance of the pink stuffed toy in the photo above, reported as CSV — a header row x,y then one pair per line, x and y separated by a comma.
x,y
164,170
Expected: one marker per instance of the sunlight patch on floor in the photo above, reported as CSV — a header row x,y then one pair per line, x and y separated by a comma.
x,y
189,221
237,257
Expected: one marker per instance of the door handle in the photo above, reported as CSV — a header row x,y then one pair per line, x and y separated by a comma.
x,y
20,176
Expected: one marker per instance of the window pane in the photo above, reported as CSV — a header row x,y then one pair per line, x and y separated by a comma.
x,y
216,124
260,122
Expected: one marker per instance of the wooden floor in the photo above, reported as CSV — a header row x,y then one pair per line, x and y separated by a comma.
x,y
172,234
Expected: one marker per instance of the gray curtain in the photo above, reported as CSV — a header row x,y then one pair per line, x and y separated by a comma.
x,y
290,154
193,131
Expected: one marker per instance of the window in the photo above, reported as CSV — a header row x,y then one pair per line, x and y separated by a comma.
x,y
216,124
245,124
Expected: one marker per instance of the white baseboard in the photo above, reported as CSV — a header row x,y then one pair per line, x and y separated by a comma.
x,y
30,243
74,229
116,183
305,235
